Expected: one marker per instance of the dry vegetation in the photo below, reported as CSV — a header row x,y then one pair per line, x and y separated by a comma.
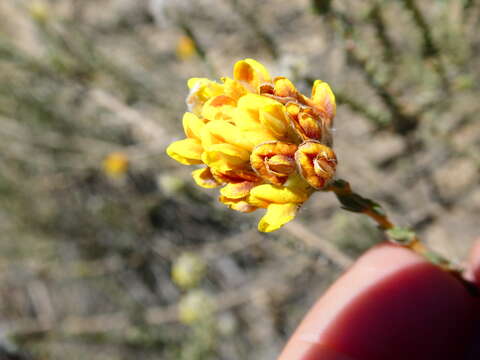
x,y
86,257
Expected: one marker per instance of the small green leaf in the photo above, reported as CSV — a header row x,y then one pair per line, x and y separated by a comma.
x,y
401,235
356,203
351,203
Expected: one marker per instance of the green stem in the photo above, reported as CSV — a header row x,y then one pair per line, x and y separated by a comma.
x,y
354,202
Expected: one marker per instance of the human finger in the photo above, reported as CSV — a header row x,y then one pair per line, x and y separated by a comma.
x,y
391,304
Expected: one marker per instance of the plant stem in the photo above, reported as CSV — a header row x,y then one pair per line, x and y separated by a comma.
x,y
382,220
354,202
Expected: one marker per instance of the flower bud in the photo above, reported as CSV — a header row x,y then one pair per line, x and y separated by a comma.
x,y
316,163
274,161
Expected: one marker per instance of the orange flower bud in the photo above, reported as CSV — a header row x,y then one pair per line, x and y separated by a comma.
x,y
284,88
274,161
316,163
281,164
266,88
308,124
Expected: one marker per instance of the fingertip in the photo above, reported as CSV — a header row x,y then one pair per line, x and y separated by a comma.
x,y
473,267
371,267
306,350
390,299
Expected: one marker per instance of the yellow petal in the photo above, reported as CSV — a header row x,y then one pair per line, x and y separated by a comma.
x,y
285,88
233,88
245,120
239,175
251,72
205,87
208,139
204,178
192,125
323,98
297,183
293,108
237,190
224,132
201,89
237,204
281,164
253,103
225,157
192,82
259,136
309,126
232,151
259,203
278,194
273,117
230,134
187,151
277,215
259,69
243,206
220,107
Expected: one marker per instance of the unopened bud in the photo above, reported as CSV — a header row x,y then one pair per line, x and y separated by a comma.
x,y
274,161
316,163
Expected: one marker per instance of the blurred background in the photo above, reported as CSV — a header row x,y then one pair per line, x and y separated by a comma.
x,y
109,251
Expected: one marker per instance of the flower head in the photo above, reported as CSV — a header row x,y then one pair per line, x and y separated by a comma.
x,y
115,164
266,144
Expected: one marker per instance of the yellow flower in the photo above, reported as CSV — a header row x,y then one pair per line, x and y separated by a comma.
x,y
196,306
115,164
188,270
265,143
185,48
38,10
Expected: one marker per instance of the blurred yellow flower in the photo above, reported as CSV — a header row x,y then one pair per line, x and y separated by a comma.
x,y
195,306
188,270
38,10
185,48
265,143
115,164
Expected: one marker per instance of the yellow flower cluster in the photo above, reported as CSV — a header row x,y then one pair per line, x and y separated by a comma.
x,y
268,145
